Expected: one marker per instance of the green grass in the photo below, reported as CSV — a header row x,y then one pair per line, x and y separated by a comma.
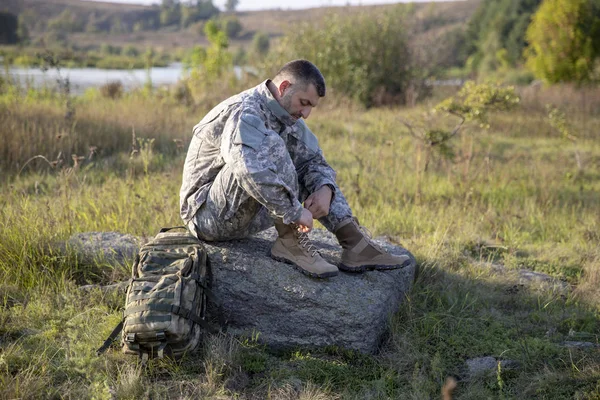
x,y
512,198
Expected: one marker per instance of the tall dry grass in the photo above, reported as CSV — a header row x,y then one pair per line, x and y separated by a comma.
x,y
99,128
581,104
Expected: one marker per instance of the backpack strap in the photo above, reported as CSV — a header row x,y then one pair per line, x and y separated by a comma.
x,y
162,230
111,338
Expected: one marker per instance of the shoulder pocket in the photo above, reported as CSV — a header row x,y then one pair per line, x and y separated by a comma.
x,y
305,135
251,131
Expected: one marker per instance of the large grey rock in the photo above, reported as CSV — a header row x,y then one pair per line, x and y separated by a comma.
x,y
288,309
112,247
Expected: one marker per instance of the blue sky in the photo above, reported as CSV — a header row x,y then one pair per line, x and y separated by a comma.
x,y
245,5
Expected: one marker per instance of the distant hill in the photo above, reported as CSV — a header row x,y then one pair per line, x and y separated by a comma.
x,y
93,23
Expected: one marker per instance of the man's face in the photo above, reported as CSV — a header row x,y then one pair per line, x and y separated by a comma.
x,y
297,100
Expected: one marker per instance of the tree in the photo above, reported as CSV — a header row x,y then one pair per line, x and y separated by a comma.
x,y
496,33
564,38
93,24
8,28
218,59
130,51
189,15
22,31
232,26
206,9
194,11
261,43
231,5
170,12
117,26
65,22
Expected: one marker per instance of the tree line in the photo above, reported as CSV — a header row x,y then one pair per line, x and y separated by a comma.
x,y
170,13
557,40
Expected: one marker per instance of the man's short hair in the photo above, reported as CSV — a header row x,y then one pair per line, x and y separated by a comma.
x,y
305,72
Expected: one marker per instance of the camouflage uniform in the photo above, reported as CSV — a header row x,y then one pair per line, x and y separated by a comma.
x,y
249,163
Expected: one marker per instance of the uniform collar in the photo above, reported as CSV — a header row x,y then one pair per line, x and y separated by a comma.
x,y
274,106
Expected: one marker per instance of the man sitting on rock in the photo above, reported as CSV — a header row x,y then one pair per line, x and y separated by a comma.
x,y
252,162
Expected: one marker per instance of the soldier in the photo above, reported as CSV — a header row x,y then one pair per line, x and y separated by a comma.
x,y
252,163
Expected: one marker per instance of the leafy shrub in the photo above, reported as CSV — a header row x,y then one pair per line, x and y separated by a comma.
x,y
232,26
366,57
112,90
261,43
65,22
473,102
182,93
130,51
240,57
106,48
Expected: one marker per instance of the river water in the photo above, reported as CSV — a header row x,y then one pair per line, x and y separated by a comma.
x,y
83,78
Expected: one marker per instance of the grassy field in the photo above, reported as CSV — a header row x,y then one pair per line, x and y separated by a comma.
x,y
517,196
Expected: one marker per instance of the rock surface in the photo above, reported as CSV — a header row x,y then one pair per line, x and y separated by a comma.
x,y
110,246
288,309
580,345
483,365
525,276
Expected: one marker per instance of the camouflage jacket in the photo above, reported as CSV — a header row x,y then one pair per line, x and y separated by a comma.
x,y
236,133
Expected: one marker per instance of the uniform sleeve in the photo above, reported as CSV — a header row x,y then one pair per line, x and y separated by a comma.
x,y
262,166
313,170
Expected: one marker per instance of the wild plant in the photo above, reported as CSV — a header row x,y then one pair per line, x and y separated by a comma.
x,y
112,90
471,106
49,60
558,121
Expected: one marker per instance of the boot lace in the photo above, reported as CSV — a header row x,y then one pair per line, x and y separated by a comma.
x,y
304,241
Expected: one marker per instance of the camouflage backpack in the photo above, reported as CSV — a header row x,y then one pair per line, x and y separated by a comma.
x,y
166,299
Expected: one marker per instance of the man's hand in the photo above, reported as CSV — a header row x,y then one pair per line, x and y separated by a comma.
x,y
318,203
305,223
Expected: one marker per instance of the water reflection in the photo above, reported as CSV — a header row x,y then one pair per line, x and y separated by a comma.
x,y
83,78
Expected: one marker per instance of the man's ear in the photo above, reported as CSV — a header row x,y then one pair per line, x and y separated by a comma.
x,y
283,87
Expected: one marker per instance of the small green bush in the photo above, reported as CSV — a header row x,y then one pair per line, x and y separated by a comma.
x,y
261,43
130,51
232,26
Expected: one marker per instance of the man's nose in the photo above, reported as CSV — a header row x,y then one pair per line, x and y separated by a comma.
x,y
305,112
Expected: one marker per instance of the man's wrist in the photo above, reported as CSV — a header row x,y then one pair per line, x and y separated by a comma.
x,y
331,191
328,186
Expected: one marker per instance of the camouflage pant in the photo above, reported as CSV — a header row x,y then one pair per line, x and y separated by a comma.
x,y
231,213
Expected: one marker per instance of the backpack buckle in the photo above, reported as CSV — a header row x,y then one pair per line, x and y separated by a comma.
x,y
130,338
161,336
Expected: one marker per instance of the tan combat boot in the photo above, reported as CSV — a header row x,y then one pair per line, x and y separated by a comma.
x,y
361,253
293,247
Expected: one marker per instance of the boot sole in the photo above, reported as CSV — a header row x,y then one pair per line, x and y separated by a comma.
x,y
378,267
305,272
